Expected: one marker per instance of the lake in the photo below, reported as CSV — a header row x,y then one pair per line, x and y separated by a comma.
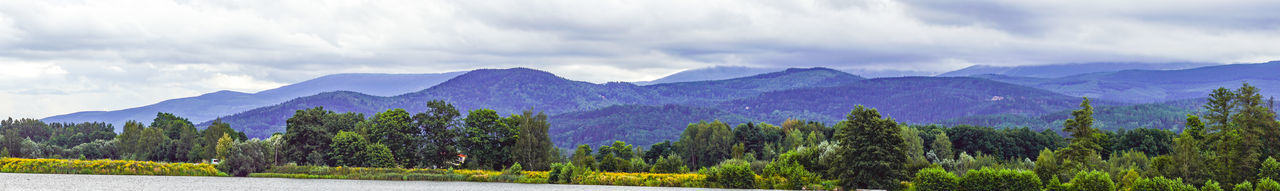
x,y
35,182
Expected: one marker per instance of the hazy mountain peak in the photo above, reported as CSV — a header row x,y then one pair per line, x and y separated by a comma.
x,y
710,73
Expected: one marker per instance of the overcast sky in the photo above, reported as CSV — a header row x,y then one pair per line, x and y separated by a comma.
x,y
59,56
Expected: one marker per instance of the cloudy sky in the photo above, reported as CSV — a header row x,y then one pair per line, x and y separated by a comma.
x,y
61,56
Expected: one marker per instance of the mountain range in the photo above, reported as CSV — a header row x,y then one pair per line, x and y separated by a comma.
x,y
222,103
646,113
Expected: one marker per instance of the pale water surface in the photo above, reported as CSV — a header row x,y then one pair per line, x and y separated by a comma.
x,y
37,182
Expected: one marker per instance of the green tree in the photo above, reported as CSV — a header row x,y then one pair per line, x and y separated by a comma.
x,y
224,147
659,150
395,130
347,149
582,157
871,151
1219,108
379,156
669,164
942,146
208,140
306,137
750,136
129,138
730,174
705,144
533,142
1083,147
1194,127
487,140
439,126
1092,181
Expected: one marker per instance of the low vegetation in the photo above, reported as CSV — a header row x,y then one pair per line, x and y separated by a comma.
x,y
105,167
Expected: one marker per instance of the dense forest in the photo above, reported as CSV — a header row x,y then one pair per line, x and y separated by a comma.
x,y
1231,144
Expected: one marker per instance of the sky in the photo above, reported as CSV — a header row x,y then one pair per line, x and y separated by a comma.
x,y
63,56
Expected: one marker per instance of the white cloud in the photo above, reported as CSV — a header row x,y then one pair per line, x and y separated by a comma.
x,y
239,83
20,70
114,55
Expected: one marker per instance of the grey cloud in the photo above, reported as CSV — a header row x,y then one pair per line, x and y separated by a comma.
x,y
128,52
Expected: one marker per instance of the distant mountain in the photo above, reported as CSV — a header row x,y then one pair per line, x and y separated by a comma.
x,y
1165,115
1062,70
710,73
906,99
212,105
1152,86
509,91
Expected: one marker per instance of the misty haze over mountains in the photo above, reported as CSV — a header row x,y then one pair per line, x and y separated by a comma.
x,y
582,112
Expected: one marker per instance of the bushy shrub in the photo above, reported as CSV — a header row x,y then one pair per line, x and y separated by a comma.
x,y
379,156
730,174
514,169
1092,181
1002,179
248,157
105,167
1161,184
786,173
1243,186
1270,169
1266,184
669,164
1210,186
935,178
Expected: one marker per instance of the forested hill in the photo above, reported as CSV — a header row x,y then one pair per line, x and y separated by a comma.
x,y
906,99
1064,70
1153,86
512,90
222,103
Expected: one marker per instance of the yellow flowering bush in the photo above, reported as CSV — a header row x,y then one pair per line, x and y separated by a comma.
x,y
105,167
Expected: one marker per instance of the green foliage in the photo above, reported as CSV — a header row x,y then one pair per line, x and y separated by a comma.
x,y
1266,184
224,147
1083,148
1092,181
658,150
730,174
533,141
788,173
941,146
1161,184
1243,186
308,134
1150,141
394,129
872,152
1001,179
514,169
244,158
378,155
1210,185
439,146
1270,169
669,164
487,140
347,149
582,156
930,179
705,144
